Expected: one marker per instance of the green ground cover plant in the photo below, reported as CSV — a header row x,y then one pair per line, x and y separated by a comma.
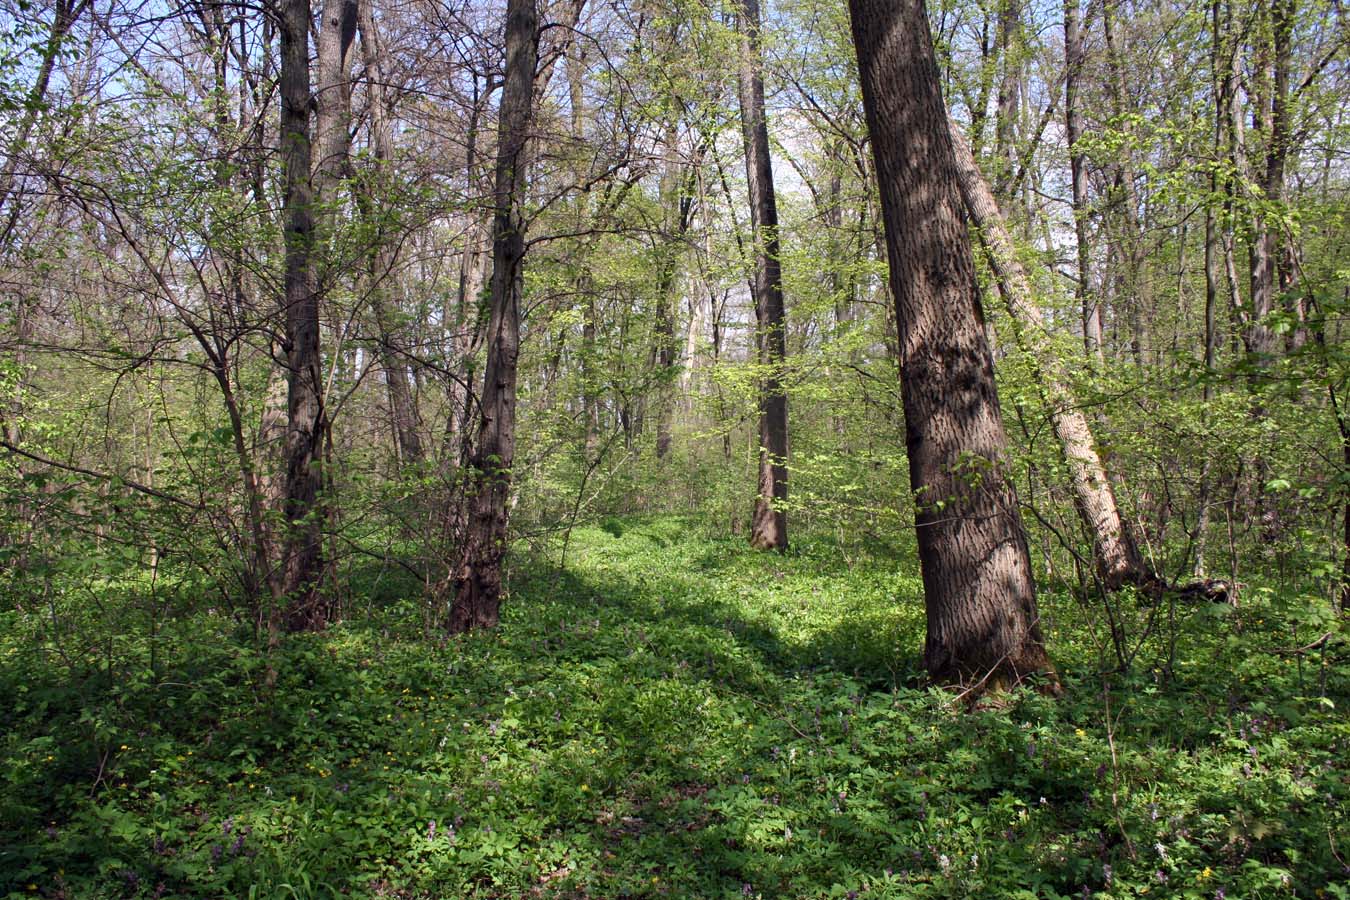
x,y
670,715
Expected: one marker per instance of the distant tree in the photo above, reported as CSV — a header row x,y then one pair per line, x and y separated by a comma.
x,y
983,626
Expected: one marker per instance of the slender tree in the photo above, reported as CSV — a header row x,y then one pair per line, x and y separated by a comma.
x,y
768,527
1073,124
978,588
381,260
478,575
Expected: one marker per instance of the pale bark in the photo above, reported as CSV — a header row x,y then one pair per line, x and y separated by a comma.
x,y
332,105
677,204
1114,551
983,626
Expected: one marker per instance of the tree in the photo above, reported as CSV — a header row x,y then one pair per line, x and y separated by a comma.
x,y
1073,126
768,529
1113,549
478,575
978,588
307,420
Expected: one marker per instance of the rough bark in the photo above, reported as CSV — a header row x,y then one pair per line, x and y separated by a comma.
x,y
1114,551
307,421
478,575
332,104
983,626
768,527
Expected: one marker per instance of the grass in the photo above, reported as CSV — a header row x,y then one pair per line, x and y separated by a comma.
x,y
672,715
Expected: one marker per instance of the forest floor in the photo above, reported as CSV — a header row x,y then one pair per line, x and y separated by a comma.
x,y
671,715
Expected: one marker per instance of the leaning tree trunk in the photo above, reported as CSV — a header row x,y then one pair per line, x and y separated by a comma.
x,y
478,575
307,422
983,626
769,526
1113,549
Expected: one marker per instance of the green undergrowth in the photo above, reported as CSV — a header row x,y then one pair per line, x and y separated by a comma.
x,y
668,716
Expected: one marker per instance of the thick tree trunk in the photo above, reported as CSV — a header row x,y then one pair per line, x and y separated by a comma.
x,y
478,575
307,422
768,527
983,626
1073,121
1113,549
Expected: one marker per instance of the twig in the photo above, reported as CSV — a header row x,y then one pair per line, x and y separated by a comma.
x,y
134,485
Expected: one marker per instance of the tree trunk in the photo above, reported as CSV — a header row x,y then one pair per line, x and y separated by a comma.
x,y
332,106
1073,121
464,321
303,555
1113,549
1009,91
1212,252
1137,291
402,406
769,524
983,626
478,575
677,205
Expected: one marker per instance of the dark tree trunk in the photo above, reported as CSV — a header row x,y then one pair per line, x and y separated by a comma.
x,y
464,320
478,575
983,626
307,420
769,526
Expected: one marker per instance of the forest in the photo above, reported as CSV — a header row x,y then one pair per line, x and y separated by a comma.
x,y
674,448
